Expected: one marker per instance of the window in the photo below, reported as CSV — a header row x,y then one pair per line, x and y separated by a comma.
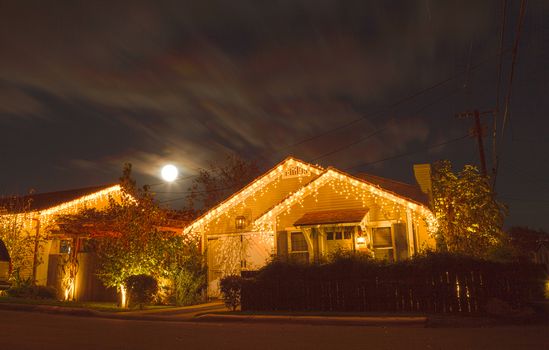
x,y
299,244
65,246
348,232
84,246
382,237
345,232
383,243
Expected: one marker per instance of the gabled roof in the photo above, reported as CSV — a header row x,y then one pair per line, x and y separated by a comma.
x,y
248,190
43,201
332,217
402,189
332,173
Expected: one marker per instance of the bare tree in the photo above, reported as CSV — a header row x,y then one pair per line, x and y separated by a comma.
x,y
218,182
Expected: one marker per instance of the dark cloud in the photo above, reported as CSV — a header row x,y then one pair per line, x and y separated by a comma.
x,y
86,86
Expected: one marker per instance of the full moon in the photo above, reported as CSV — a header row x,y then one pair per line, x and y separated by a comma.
x,y
169,173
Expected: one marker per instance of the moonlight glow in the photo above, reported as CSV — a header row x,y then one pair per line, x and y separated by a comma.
x,y
169,173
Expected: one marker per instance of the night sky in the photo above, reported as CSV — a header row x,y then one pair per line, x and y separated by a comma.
x,y
361,85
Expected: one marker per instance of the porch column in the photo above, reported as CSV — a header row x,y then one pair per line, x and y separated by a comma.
x,y
410,229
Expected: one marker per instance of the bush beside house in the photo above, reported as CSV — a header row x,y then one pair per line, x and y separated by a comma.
x,y
231,288
432,283
142,289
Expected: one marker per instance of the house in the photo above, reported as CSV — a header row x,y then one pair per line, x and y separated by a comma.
x,y
31,218
303,212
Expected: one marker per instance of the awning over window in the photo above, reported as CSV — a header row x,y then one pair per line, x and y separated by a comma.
x,y
332,217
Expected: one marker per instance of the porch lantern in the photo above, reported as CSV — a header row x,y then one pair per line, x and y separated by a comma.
x,y
240,222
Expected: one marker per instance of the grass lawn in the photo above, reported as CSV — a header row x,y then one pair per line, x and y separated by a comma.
x,y
93,305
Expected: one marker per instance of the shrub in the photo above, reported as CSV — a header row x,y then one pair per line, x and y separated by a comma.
x,y
231,287
432,283
31,291
188,286
189,278
141,289
45,292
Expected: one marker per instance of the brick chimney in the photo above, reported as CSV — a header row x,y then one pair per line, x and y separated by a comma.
x,y
422,173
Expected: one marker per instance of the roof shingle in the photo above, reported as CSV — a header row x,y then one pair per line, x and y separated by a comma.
x,y
42,201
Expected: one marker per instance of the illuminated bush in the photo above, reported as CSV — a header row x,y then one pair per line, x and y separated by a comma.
x,y
231,287
141,289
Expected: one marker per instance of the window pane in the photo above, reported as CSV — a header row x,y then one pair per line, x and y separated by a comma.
x,y
65,246
348,232
85,245
339,235
384,254
299,244
330,236
382,237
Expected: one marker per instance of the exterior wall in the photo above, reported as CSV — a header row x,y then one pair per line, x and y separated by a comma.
x,y
231,250
234,253
254,206
41,222
381,213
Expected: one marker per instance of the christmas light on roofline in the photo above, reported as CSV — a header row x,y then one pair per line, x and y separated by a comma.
x,y
265,222
248,191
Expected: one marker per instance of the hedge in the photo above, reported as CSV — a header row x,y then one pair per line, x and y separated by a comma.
x,y
433,283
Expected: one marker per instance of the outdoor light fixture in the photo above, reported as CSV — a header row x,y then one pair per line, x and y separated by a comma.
x,y
361,240
240,222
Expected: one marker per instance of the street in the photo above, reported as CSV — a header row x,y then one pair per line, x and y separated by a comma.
x,y
29,330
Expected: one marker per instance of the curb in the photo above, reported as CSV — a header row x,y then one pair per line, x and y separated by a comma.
x,y
82,312
318,320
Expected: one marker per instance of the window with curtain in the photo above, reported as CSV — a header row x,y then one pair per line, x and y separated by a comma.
x,y
299,244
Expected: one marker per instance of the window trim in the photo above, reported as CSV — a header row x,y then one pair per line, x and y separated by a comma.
x,y
291,250
381,224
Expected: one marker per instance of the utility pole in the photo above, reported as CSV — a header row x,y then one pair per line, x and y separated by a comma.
x,y
477,131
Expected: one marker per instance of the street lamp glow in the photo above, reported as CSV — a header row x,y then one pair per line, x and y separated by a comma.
x,y
169,173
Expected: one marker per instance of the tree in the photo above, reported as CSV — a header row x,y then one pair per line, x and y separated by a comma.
x,y
470,219
126,237
526,241
15,230
216,183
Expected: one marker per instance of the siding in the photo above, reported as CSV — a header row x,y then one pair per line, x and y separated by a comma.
x,y
255,206
327,198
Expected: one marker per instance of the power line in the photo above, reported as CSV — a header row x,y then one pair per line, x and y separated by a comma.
x,y
410,153
176,180
381,129
337,150
535,200
498,95
518,32
369,163
375,115
372,116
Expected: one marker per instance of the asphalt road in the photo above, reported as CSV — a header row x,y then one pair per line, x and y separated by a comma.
x,y
29,330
